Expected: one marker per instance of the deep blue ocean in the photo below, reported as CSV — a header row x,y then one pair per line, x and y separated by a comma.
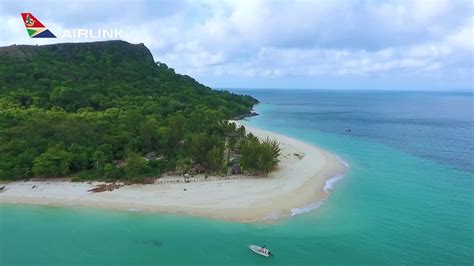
x,y
438,126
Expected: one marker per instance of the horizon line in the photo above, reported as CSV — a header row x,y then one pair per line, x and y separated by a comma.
x,y
350,89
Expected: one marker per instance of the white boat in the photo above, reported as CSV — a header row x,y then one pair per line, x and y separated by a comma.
x,y
260,250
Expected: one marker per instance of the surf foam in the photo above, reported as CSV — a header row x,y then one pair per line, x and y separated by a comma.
x,y
135,210
329,185
307,208
342,161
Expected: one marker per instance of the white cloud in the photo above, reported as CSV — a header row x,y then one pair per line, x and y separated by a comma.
x,y
464,37
278,39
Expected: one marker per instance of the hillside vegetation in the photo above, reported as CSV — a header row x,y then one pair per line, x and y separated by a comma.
x,y
106,110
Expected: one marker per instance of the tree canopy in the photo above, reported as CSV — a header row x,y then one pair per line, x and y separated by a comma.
x,y
97,109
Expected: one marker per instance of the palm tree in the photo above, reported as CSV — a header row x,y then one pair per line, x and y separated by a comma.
x,y
99,158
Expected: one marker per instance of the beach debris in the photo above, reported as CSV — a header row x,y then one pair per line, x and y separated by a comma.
x,y
105,187
148,180
33,187
186,178
299,156
2,188
184,189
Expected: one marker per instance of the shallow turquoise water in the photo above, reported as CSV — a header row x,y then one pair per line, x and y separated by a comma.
x,y
395,206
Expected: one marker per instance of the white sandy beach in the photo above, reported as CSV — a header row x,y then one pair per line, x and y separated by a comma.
x,y
297,182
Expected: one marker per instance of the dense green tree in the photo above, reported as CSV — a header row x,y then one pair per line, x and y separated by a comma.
x,y
135,167
215,159
177,127
270,152
207,150
98,159
55,161
80,107
259,157
148,131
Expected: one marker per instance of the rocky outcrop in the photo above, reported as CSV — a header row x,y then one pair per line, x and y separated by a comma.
x,y
240,117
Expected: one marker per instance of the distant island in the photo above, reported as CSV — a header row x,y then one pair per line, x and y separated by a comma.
x,y
107,111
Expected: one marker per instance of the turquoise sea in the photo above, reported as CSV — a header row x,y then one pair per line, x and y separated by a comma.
x,y
407,199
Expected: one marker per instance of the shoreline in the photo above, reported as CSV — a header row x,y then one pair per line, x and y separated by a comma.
x,y
300,180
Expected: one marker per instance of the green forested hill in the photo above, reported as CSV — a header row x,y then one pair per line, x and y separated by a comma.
x,y
102,75
97,109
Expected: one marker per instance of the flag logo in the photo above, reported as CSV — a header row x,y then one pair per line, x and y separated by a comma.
x,y
35,28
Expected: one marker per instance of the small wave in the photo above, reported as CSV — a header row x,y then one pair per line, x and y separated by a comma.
x,y
307,208
342,161
135,210
329,185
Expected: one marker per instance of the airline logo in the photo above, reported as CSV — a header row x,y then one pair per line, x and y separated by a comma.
x,y
35,28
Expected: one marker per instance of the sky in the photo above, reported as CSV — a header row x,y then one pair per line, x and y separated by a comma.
x,y
345,44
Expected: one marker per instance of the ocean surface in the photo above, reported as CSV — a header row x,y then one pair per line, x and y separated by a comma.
x,y
407,198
